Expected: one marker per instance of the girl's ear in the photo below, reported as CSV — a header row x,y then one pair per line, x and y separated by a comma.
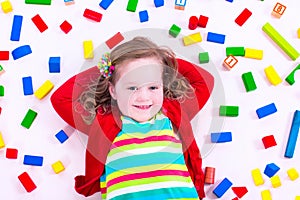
x,y
112,91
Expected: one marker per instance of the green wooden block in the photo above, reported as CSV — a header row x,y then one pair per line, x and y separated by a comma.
x,y
1,90
131,5
174,30
249,81
29,118
290,78
235,51
203,57
229,111
41,2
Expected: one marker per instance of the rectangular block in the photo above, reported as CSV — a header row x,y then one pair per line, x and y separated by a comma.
x,y
230,111
44,89
54,64
294,131
243,17
11,153
4,55
114,40
39,23
192,39
249,82
220,190
2,143
1,90
27,182
88,49
216,37
257,177
272,75
16,28
266,110
27,85
41,2
29,118
33,160
254,53
92,15
221,137
235,51
105,3
131,5
266,195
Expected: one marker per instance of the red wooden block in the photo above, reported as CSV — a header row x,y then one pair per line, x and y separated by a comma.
x,y
0,110
27,182
202,21
239,191
235,198
269,141
243,17
11,153
209,175
193,22
39,23
93,15
65,27
114,40
4,55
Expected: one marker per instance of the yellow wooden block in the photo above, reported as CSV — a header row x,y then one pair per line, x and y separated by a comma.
x,y
6,6
2,144
257,177
254,53
297,198
266,195
88,49
272,75
293,174
298,32
192,39
275,180
44,89
58,167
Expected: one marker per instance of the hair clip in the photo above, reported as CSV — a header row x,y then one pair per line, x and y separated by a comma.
x,y
105,67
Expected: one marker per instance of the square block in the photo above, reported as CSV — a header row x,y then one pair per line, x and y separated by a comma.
x,y
54,64
61,136
58,167
143,16
230,62
278,10
174,30
293,174
203,57
11,153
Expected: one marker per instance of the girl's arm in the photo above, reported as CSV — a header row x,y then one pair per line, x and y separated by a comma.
x,y
201,80
64,98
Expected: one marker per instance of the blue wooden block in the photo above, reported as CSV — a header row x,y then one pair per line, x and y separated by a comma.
x,y
158,3
180,2
61,136
54,64
33,160
266,110
105,4
222,187
230,1
27,85
21,51
271,170
216,37
16,28
143,16
221,137
294,131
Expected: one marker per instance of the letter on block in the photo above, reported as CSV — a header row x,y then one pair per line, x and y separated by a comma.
x,y
230,62
278,10
43,90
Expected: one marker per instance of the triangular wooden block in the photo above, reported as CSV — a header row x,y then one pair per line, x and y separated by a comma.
x,y
239,191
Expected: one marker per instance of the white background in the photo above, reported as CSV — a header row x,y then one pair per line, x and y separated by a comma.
x,y
233,160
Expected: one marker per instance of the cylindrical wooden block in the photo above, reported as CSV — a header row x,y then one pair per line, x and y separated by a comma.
x,y
209,175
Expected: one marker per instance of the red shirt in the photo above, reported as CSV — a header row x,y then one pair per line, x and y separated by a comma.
x,y
105,127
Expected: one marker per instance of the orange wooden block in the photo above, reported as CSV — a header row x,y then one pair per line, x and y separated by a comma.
x,y
278,10
114,40
230,62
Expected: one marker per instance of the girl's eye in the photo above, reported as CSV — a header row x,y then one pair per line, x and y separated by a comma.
x,y
153,87
132,88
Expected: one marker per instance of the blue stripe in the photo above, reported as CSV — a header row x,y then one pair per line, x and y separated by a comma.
x,y
162,124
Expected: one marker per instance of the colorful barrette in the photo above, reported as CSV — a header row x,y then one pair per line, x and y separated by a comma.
x,y
104,65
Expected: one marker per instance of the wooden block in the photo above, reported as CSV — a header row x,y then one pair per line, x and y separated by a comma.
x,y
44,89
2,143
249,82
257,177
294,131
230,61
114,40
278,10
27,182
192,39
272,75
88,49
253,53
58,167
29,118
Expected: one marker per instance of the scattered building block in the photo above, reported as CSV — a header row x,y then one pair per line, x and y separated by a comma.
x,y
4,55
33,160
92,15
266,195
239,191
44,89
203,57
257,177
61,136
180,4
192,39
114,40
1,90
275,180
230,1
65,27
6,6
39,23
280,41
27,85
159,3
297,198
235,51
88,49
209,175
298,32
230,61
105,4
16,28
143,16
0,110
293,174
271,169
29,118
131,5
40,2
174,30
21,51
269,141
216,37
278,10
2,143
54,64
243,17
27,182
58,167
230,111
1,70
249,82
193,22
266,110
254,53
11,153
202,22
290,78
220,190
294,131
221,137
272,75
69,2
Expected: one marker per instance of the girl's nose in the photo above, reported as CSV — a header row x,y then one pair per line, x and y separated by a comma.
x,y
143,94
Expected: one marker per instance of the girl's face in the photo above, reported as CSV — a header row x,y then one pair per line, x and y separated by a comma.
x,y
139,88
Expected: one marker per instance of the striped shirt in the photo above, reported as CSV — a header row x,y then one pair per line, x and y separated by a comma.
x,y
146,162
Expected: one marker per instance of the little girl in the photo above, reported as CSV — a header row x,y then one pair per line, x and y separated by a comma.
x,y
136,107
